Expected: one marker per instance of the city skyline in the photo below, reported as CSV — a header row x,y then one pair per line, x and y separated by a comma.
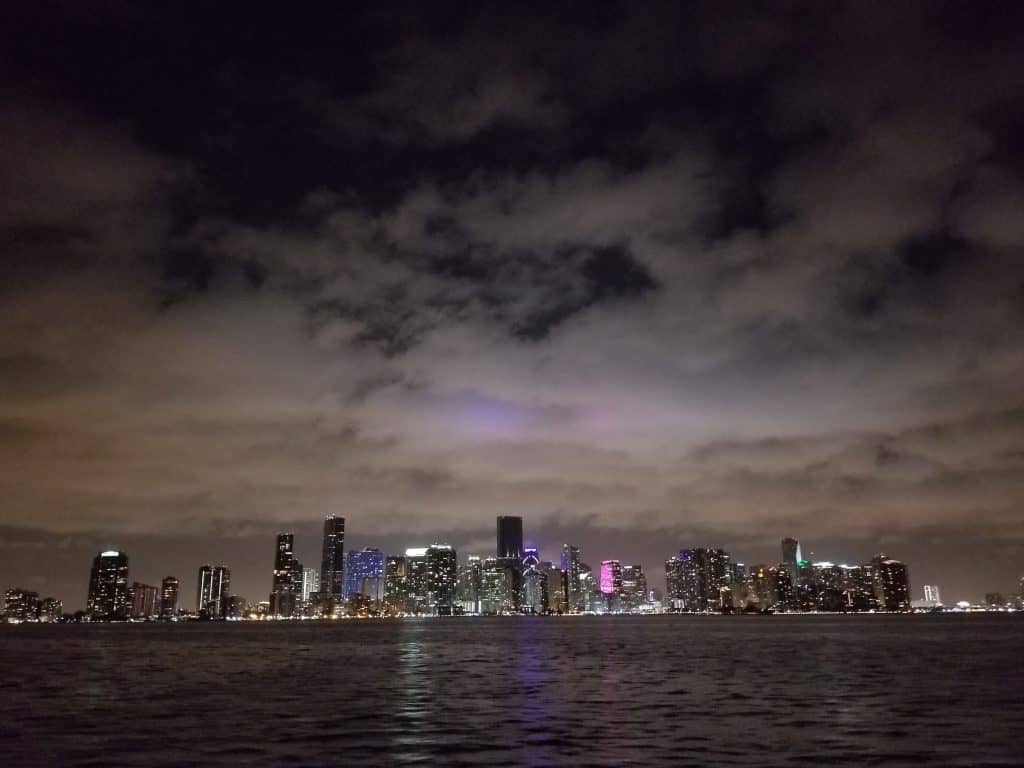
x,y
368,574
639,274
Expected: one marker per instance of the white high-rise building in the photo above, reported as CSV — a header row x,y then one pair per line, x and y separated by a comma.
x,y
931,595
310,583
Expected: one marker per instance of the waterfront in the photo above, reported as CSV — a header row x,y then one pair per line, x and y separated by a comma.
x,y
668,690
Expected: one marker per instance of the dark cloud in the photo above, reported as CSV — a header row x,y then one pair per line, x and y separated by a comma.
x,y
689,274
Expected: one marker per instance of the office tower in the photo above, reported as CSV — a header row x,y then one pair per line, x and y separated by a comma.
x,y
555,587
394,584
169,590
332,568
470,583
285,595
892,584
442,577
634,588
310,584
144,601
611,577
497,585
416,598
674,584
780,588
364,574
791,559
212,589
571,565
860,588
51,609
21,604
931,595
534,583
108,587
510,537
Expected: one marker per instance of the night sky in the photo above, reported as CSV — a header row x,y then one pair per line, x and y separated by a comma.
x,y
650,276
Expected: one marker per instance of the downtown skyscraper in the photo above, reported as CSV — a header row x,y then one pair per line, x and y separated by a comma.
x,y
108,587
332,564
213,587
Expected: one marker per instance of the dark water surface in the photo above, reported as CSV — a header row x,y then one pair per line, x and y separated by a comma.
x,y
783,690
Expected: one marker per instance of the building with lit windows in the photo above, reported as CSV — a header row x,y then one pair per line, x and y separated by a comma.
x,y
21,605
332,566
364,574
213,587
892,584
170,589
109,598
394,584
286,592
442,579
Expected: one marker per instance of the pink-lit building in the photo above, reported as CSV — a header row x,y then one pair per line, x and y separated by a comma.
x,y
611,577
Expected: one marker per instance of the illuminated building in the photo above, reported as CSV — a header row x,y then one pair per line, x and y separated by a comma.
x,y
534,597
394,584
236,607
212,589
364,574
442,578
699,579
571,565
21,604
416,598
555,588
496,587
286,593
931,595
892,585
170,588
144,601
108,587
332,567
611,583
51,609
791,557
470,584
310,584
634,588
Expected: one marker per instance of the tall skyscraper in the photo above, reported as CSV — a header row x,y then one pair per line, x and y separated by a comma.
x,y
510,537
892,584
169,590
416,598
364,574
634,587
108,587
394,584
213,587
497,586
791,558
470,584
931,595
286,593
442,578
611,577
571,566
332,567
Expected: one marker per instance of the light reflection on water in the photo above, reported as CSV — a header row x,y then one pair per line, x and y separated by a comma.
x,y
526,691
